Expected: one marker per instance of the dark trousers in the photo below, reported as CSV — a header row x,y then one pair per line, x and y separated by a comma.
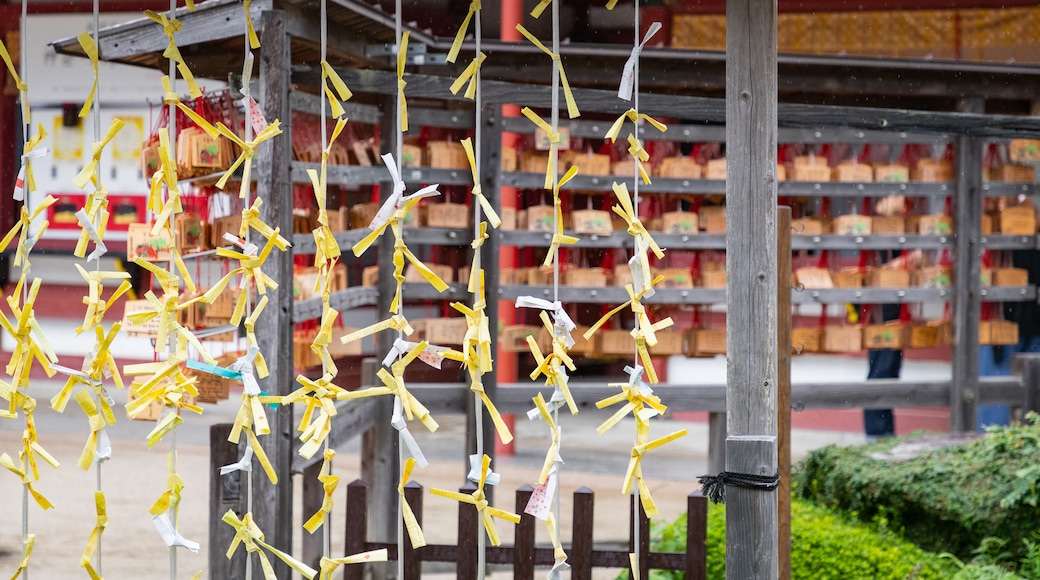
x,y
882,364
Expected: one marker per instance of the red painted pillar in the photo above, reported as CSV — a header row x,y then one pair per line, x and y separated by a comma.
x,y
512,14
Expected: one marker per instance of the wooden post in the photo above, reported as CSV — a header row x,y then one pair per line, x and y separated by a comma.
x,y
523,536
751,290
356,530
783,388
580,556
311,545
1027,367
272,504
225,492
379,467
641,543
716,442
967,299
466,544
413,494
696,536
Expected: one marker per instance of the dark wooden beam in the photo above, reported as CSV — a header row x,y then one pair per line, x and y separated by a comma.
x,y
706,110
272,504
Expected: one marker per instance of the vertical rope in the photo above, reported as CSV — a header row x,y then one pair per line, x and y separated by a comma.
x,y
247,74
23,58
478,403
326,538
172,463
97,263
635,209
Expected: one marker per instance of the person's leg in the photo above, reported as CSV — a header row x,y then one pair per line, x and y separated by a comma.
x,y
882,364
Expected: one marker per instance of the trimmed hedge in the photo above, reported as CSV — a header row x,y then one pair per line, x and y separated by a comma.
x,y
824,545
946,500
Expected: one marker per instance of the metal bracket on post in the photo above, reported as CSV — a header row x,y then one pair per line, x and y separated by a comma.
x,y
417,54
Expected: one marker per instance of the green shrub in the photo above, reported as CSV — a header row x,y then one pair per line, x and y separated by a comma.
x,y
824,544
946,500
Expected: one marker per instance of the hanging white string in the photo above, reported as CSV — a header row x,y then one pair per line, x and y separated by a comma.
x,y
170,347
97,263
23,58
635,210
399,155
554,161
326,539
247,102
478,403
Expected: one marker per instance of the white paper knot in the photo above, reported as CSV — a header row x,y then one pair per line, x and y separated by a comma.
x,y
248,248
244,367
99,246
244,464
635,380
628,76
432,355
170,536
476,464
19,184
397,198
398,422
103,448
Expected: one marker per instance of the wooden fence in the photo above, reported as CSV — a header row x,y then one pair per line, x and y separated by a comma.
x,y
523,556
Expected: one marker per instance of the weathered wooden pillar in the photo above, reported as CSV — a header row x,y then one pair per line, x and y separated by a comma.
x,y
783,388
1027,367
225,492
751,291
967,295
272,504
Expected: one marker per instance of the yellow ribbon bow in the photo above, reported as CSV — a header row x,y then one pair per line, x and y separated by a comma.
x,y
633,116
251,219
88,174
554,449
91,50
559,556
7,463
319,395
30,342
393,382
485,512
468,78
322,340
397,322
170,27
337,93
22,87
23,564
477,357
559,238
456,46
554,364
97,421
329,565
645,331
248,534
245,159
635,464
254,41
572,107
26,179
411,524
485,205
96,306
554,144
329,483
100,523
21,229
627,211
635,149
250,270
326,246
639,399
402,59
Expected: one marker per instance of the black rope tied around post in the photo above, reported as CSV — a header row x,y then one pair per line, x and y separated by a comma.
x,y
714,486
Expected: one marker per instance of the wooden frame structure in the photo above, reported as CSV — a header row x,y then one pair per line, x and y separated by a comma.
x,y
288,32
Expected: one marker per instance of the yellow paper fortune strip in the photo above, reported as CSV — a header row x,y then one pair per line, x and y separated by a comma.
x,y
477,499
